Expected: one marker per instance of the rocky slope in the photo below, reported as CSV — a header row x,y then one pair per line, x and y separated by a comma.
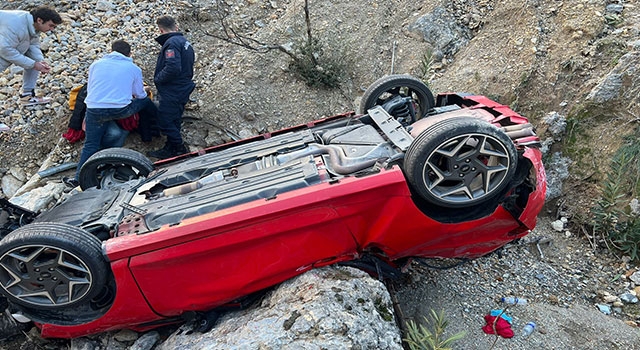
x,y
538,56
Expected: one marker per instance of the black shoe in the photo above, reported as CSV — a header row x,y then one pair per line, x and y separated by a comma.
x,y
147,135
163,153
179,149
70,182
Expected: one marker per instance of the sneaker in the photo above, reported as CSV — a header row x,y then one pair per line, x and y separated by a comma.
x,y
30,100
70,182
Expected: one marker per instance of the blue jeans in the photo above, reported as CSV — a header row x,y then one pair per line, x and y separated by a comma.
x,y
114,136
102,131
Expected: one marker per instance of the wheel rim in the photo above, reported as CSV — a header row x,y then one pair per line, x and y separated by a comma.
x,y
466,168
44,275
404,91
110,175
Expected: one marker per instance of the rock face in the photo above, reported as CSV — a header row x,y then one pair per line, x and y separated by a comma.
x,y
326,308
623,82
439,28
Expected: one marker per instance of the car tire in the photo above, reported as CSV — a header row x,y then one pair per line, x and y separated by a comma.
x,y
388,87
112,166
462,162
51,267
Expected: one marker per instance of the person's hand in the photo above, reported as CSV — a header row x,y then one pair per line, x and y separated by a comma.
x,y
42,67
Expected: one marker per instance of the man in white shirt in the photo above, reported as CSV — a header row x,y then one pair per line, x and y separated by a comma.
x,y
113,80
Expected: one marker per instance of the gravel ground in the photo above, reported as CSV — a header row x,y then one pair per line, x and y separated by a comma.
x,y
562,278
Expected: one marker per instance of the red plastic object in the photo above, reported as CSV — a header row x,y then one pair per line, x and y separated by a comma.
x,y
73,135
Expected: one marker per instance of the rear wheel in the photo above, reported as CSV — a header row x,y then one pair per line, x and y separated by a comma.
x,y
113,166
461,162
403,96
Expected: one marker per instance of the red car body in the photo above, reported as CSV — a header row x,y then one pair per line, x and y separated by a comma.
x,y
200,262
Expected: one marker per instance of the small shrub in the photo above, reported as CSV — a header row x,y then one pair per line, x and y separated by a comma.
x,y
613,20
616,218
316,68
426,66
309,61
419,337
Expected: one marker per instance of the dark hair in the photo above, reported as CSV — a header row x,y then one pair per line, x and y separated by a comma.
x,y
166,22
46,13
121,46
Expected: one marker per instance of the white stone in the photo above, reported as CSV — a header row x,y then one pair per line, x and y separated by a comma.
x,y
326,308
40,198
635,277
18,173
10,185
558,225
610,299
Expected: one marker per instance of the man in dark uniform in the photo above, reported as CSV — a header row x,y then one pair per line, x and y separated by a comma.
x,y
174,81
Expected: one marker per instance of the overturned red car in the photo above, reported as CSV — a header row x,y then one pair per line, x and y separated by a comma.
x,y
144,245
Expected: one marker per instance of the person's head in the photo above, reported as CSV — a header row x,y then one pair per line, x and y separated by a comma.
x,y
45,18
167,24
122,47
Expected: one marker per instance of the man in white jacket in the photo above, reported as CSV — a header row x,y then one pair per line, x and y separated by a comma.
x,y
20,45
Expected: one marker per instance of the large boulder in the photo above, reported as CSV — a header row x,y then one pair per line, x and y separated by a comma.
x,y
327,308
622,82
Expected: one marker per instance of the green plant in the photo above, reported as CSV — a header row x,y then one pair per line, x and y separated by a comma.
x,y
616,220
383,309
613,20
580,152
315,67
611,49
419,337
426,66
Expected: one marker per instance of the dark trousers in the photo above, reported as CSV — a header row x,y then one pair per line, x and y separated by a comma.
x,y
148,123
170,119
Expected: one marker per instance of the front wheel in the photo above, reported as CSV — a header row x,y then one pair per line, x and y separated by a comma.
x,y
462,162
51,266
113,166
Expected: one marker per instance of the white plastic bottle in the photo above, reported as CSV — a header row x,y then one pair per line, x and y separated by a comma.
x,y
514,301
528,329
